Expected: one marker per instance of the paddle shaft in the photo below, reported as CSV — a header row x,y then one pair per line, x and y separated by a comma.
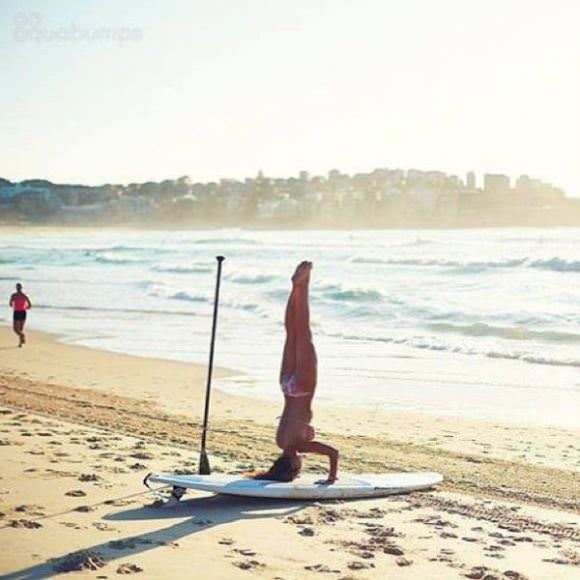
x,y
204,467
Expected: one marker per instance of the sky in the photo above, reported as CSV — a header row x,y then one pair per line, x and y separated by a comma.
x,y
121,91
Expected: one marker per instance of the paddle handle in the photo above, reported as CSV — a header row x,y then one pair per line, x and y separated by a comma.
x,y
204,467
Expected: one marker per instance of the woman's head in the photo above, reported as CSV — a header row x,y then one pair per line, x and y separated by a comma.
x,y
18,287
285,468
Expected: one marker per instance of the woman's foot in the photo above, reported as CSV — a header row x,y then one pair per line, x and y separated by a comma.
x,y
302,273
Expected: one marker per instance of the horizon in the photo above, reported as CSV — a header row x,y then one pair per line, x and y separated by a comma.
x,y
224,91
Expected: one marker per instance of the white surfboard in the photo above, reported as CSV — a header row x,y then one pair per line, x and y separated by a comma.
x,y
306,486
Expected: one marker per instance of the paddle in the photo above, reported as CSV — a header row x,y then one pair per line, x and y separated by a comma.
x,y
204,468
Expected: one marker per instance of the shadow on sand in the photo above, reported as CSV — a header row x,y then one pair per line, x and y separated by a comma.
x,y
199,514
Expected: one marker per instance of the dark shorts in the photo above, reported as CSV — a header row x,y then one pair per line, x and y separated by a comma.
x,y
19,315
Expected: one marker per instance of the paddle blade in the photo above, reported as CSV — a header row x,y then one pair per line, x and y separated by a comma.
x,y
204,468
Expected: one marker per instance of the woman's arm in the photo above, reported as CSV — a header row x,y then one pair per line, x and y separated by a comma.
x,y
322,449
11,300
28,300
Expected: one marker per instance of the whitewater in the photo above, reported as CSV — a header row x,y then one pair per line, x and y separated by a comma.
x,y
471,323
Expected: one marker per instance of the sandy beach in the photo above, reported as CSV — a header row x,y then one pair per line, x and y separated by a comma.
x,y
80,428
363,217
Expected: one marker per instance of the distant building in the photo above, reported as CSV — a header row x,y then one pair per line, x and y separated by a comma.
x,y
9,192
422,197
524,185
470,182
282,208
495,184
537,191
381,197
14,192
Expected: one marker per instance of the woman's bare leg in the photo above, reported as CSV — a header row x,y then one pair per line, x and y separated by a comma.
x,y
305,353
288,365
298,349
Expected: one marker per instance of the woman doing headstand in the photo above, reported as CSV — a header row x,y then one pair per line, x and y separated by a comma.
x,y
295,435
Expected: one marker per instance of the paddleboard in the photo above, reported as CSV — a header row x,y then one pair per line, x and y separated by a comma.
x,y
306,486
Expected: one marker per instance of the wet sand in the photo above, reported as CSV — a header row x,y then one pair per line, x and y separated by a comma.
x,y
79,429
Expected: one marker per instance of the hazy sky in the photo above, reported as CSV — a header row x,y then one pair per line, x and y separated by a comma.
x,y
224,88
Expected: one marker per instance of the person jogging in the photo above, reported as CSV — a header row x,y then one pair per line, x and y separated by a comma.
x,y
19,303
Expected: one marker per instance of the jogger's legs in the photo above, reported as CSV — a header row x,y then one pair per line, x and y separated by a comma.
x,y
18,327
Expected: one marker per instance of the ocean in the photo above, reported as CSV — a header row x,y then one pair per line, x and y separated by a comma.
x,y
470,323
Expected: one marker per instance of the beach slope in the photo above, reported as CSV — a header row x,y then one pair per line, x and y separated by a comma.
x,y
79,429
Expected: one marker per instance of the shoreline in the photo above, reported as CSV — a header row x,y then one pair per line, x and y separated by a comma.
x,y
59,228
199,371
147,378
273,401
93,423
178,388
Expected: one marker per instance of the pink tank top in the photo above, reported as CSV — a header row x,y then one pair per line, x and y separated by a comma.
x,y
19,302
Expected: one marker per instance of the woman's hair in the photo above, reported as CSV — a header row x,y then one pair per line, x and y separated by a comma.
x,y
282,470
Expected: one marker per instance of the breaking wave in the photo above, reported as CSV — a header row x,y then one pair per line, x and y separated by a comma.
x,y
187,296
177,269
251,278
535,359
113,259
112,310
508,332
435,344
339,292
554,264
227,241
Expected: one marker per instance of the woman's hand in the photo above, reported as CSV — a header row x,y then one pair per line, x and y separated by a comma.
x,y
328,481
322,449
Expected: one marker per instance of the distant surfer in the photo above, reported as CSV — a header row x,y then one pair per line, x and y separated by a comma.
x,y
19,303
295,434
